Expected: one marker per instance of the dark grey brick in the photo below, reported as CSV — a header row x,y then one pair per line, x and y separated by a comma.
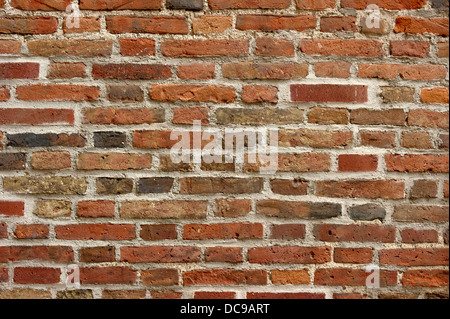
x,y
45,140
440,4
367,212
155,185
109,139
185,4
12,161
325,210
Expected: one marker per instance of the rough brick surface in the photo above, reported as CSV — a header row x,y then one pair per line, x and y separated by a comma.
x,y
91,112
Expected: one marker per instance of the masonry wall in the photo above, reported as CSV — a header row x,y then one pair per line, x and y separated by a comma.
x,y
86,114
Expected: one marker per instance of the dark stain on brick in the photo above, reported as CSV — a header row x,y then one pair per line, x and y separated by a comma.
x,y
155,185
110,139
114,186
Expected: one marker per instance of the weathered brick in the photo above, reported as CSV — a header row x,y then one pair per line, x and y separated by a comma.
x,y
45,185
52,208
113,161
367,212
417,163
193,93
329,93
153,25
195,5
262,71
114,186
304,210
225,277
223,231
289,255
121,5
414,25
51,160
131,71
160,254
31,25
269,23
70,47
362,48
206,48
163,210
23,116
354,233
420,214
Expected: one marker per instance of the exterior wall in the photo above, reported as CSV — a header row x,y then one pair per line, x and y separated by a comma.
x,y
360,101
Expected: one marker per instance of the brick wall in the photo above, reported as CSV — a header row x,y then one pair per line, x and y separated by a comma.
x,y
86,114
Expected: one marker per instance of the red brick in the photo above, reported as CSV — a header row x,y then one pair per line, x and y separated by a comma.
x,y
193,93
289,187
289,255
413,25
288,231
57,92
31,25
290,277
206,48
435,95
113,161
260,94
44,5
415,236
315,4
275,23
97,255
208,24
123,116
189,115
36,231
66,70
21,116
336,24
19,71
351,277
50,160
378,139
354,233
161,254
70,47
131,71
285,295
95,209
387,189
424,189
332,69
225,277
137,47
28,275
406,72
108,275
363,48
274,47
415,257
378,117
5,95
154,25
121,5
248,4
233,207
353,255
58,254
10,46
3,230
417,163
415,49
224,254
329,93
419,140
4,276
385,4
262,71
86,24
358,163
425,278
95,232
223,231
198,71
160,277
220,185
210,295
427,118
421,214
158,232
10,208
315,138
